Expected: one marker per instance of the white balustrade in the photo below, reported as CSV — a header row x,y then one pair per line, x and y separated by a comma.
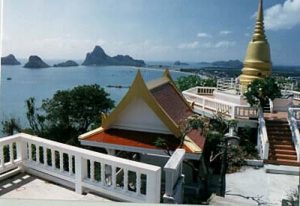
x,y
227,85
245,111
100,175
296,94
293,119
213,105
262,137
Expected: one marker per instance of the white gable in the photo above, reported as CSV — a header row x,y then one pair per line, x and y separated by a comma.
x,y
138,116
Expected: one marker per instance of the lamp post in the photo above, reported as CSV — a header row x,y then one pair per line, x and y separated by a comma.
x,y
229,138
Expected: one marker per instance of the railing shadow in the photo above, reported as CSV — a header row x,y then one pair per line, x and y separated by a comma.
x,y
15,183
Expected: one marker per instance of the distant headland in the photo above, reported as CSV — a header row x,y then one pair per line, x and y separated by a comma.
x,y
9,60
99,58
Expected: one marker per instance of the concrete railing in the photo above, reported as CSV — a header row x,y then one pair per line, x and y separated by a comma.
x,y
262,137
202,90
118,178
246,111
228,84
293,119
296,95
202,103
174,178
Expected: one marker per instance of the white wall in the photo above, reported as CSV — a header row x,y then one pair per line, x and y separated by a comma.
x,y
232,98
138,116
282,104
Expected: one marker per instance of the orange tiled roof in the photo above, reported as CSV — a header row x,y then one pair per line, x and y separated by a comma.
x,y
134,139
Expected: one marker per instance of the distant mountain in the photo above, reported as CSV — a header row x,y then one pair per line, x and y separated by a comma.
x,y
69,63
9,60
179,63
98,57
228,64
35,62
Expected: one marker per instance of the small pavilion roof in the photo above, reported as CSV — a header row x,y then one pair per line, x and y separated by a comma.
x,y
168,104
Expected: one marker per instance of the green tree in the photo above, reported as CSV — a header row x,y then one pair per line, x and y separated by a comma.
x,y
11,126
261,90
68,113
186,82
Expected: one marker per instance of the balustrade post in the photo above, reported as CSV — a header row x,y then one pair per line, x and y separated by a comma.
x,y
153,186
126,179
79,173
11,153
53,158
45,156
233,112
61,161
1,156
138,183
70,164
92,170
113,176
102,175
22,154
29,151
37,150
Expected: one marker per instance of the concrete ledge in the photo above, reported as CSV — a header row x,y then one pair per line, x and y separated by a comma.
x,y
10,174
255,163
281,169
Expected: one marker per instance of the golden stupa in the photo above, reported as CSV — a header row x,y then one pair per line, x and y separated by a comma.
x,y
257,63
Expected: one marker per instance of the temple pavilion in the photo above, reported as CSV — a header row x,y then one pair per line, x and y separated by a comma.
x,y
147,112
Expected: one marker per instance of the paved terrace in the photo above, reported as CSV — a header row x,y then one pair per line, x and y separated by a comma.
x,y
256,184
26,186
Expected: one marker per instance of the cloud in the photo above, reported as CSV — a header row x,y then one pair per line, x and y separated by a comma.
x,y
247,34
191,45
283,16
225,32
203,35
225,44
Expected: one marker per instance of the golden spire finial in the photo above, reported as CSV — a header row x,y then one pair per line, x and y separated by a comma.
x,y
257,63
259,32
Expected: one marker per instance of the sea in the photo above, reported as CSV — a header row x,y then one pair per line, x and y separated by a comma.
x,y
18,84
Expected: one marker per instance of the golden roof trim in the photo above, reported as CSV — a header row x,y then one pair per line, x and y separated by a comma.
x,y
139,88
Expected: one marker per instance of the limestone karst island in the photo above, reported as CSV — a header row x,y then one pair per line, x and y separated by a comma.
x,y
210,116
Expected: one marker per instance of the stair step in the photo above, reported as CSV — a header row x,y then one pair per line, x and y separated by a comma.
x,y
284,126
270,137
280,142
274,131
282,162
284,151
286,157
283,146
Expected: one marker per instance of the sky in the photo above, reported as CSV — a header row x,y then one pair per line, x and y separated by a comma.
x,y
152,30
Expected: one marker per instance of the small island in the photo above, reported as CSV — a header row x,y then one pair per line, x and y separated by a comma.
x,y
69,63
99,58
35,62
9,60
179,63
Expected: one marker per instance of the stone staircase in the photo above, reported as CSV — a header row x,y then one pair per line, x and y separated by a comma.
x,y
282,150
266,108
